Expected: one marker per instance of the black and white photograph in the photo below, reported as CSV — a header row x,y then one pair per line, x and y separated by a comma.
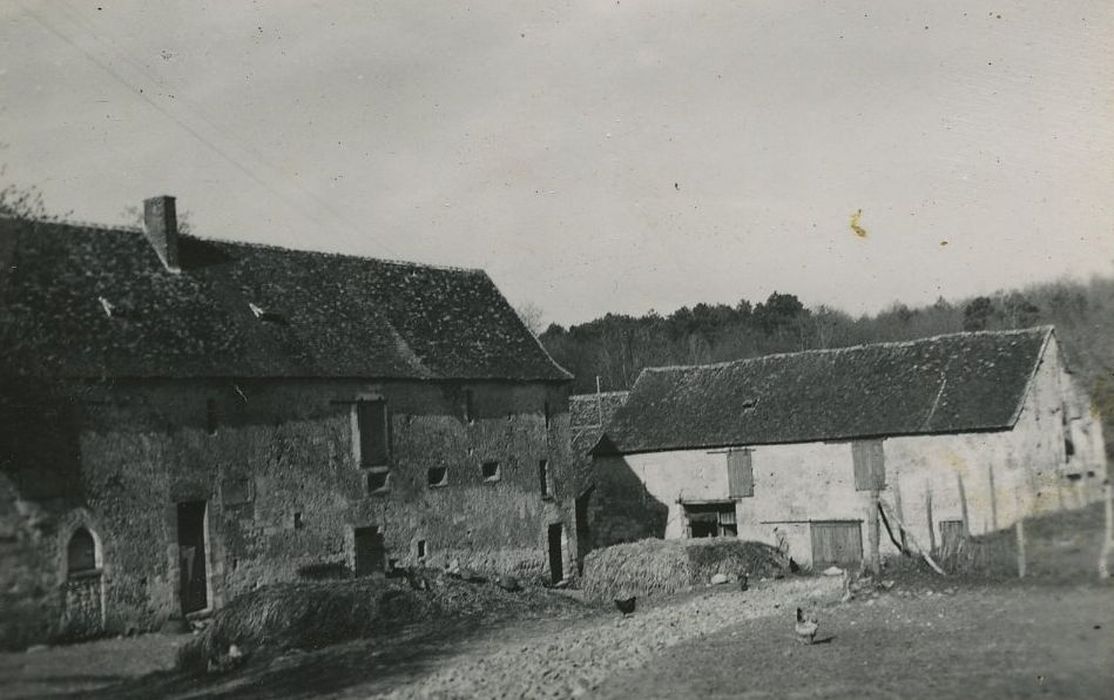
x,y
607,349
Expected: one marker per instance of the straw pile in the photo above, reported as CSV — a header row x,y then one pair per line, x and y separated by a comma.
x,y
311,615
662,567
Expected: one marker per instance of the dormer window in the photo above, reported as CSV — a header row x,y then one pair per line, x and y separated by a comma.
x,y
268,316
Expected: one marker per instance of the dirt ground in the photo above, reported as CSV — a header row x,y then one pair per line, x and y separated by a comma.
x,y
79,669
1005,641
999,640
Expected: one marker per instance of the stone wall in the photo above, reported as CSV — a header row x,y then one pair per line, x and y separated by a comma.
x,y
276,465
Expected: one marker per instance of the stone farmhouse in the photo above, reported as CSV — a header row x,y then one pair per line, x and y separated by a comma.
x,y
959,435
183,420
589,414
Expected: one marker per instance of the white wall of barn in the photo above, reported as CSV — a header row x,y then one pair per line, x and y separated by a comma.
x,y
1001,475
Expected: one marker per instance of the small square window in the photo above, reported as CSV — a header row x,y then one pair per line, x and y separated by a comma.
x,y
378,480
437,476
490,471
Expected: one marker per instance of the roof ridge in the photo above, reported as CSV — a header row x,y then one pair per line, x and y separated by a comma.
x,y
124,228
1045,329
334,254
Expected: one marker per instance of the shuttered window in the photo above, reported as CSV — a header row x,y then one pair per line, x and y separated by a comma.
x,y
870,465
740,474
371,423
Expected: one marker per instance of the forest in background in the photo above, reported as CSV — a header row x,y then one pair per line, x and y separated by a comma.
x,y
617,347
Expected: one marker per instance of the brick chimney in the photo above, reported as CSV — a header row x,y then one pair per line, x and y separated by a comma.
x,y
160,220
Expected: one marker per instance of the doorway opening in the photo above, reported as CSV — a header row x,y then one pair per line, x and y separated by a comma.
x,y
371,554
192,557
556,552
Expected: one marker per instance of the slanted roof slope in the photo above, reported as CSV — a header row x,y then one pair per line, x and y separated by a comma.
x,y
945,384
324,315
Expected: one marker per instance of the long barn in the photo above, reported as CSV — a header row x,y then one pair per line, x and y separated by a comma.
x,y
959,434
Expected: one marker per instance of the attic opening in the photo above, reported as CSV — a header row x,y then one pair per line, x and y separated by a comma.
x,y
267,316
437,476
490,471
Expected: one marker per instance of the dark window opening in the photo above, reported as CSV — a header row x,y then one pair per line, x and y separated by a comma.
x,y
211,416
1069,449
378,481
437,476
545,408
490,471
543,477
712,519
421,549
81,553
298,523
371,424
1075,477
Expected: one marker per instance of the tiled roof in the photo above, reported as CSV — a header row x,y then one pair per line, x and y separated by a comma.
x,y
91,302
946,384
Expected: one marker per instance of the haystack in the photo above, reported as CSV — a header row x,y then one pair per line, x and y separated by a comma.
x,y
656,567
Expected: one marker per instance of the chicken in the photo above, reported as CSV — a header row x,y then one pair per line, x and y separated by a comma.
x,y
806,627
626,605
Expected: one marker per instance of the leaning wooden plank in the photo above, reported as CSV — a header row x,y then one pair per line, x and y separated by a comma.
x,y
912,540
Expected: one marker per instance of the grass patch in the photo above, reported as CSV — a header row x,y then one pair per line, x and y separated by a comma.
x,y
654,567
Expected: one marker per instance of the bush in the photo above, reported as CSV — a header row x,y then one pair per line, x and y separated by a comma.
x,y
662,567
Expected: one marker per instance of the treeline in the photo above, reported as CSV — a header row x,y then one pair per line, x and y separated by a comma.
x,y
616,348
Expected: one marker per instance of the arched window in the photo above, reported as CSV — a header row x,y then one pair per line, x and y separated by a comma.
x,y
81,553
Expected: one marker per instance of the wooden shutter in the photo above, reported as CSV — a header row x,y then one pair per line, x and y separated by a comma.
x,y
740,474
870,465
372,416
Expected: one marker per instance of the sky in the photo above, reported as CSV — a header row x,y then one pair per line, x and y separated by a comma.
x,y
593,156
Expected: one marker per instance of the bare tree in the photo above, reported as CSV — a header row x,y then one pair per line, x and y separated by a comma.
x,y
532,316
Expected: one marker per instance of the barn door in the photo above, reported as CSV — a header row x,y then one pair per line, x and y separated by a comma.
x,y
838,543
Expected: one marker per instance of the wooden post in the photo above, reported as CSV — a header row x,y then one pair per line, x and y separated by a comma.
x,y
1108,542
874,561
1021,547
993,499
963,506
928,512
899,510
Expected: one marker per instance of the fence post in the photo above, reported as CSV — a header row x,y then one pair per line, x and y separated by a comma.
x,y
1020,527
874,560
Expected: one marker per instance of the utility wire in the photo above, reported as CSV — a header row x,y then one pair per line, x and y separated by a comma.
x,y
347,227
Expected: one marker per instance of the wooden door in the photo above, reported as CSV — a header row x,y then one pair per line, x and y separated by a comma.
x,y
192,557
371,554
838,543
556,553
